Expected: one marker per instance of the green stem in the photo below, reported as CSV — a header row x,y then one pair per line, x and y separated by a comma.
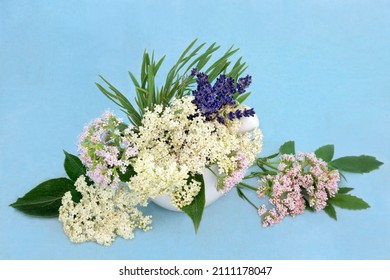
x,y
247,186
261,162
242,195
259,174
251,176
215,174
272,162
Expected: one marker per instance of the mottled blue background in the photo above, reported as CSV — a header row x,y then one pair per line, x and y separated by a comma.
x,y
320,75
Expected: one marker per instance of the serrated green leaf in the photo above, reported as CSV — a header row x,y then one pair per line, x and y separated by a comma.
x,y
45,199
287,148
344,190
331,211
325,152
356,164
347,201
73,166
195,209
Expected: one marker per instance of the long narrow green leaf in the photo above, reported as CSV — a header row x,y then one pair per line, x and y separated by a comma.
x,y
108,95
132,114
158,65
237,69
151,97
204,58
140,100
229,53
145,66
241,98
218,69
172,73
178,82
129,112
124,101
184,61
184,53
133,121
133,78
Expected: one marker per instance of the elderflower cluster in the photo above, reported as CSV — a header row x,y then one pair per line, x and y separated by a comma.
x,y
229,143
105,150
101,215
175,142
300,178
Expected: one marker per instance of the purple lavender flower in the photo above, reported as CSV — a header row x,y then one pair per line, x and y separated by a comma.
x,y
249,112
213,100
243,83
238,114
194,72
221,119
231,116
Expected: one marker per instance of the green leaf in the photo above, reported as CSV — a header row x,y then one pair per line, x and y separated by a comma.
x,y
133,79
151,97
241,98
76,196
195,209
344,190
347,201
331,211
356,164
178,82
73,166
325,152
122,127
45,199
287,148
129,173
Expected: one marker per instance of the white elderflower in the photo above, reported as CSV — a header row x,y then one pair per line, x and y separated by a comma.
x,y
175,142
101,215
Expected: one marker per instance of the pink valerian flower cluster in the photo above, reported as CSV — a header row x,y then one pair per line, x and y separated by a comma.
x,y
105,150
301,179
238,174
